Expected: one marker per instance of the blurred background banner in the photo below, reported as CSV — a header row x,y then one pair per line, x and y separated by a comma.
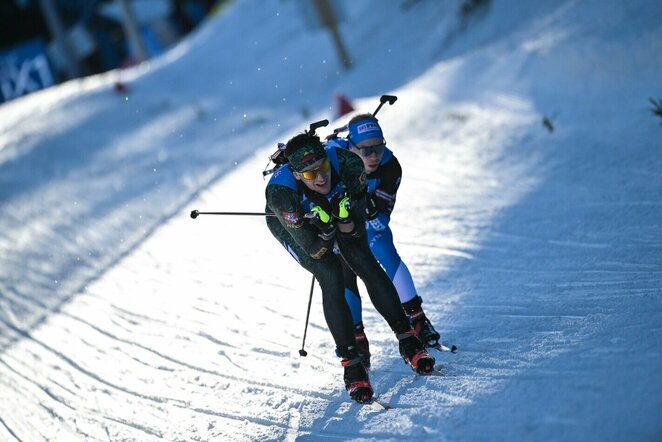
x,y
45,42
24,68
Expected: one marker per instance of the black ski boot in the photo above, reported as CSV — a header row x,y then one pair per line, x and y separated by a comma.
x,y
421,324
362,344
356,379
414,353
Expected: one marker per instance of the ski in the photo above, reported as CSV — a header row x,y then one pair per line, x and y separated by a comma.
x,y
441,348
379,406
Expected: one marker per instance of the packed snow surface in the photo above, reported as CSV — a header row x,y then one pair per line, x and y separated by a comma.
x,y
537,248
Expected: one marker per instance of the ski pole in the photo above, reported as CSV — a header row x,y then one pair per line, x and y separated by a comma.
x,y
302,352
390,99
196,213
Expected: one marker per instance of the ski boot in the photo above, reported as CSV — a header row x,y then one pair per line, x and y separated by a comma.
x,y
414,353
356,378
421,324
362,344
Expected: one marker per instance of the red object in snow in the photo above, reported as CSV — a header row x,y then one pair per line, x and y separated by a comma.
x,y
342,105
120,87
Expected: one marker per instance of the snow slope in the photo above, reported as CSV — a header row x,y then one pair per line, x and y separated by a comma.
x,y
538,253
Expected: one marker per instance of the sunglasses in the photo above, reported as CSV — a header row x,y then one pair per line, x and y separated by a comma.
x,y
312,174
367,151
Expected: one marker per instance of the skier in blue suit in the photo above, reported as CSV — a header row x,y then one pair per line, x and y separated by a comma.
x,y
366,139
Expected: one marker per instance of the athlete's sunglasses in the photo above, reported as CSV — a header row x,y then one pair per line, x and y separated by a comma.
x,y
367,151
312,174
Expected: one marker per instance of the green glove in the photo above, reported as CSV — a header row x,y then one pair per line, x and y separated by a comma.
x,y
322,220
341,205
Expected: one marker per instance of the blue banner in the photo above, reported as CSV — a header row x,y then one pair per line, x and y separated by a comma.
x,y
24,68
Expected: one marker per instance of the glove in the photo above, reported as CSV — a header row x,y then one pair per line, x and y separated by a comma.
x,y
341,206
322,220
371,210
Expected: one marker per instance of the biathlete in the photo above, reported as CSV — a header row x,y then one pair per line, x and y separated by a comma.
x,y
384,173
318,199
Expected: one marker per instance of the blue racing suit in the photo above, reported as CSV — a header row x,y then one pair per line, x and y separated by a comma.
x,y
382,187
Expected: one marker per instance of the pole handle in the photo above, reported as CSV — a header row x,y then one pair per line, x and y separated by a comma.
x,y
390,99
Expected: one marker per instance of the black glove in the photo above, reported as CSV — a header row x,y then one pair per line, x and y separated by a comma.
x,y
341,206
322,220
371,210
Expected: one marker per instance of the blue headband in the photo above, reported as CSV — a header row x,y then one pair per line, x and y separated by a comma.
x,y
364,130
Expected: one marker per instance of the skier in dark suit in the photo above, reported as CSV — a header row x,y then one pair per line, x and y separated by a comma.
x,y
318,199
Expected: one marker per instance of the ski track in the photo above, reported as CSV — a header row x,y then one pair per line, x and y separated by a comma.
x,y
538,254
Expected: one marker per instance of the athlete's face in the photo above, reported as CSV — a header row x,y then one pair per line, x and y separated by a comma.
x,y
317,176
371,152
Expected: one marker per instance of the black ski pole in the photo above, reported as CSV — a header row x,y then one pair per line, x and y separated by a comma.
x,y
302,352
390,99
196,213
